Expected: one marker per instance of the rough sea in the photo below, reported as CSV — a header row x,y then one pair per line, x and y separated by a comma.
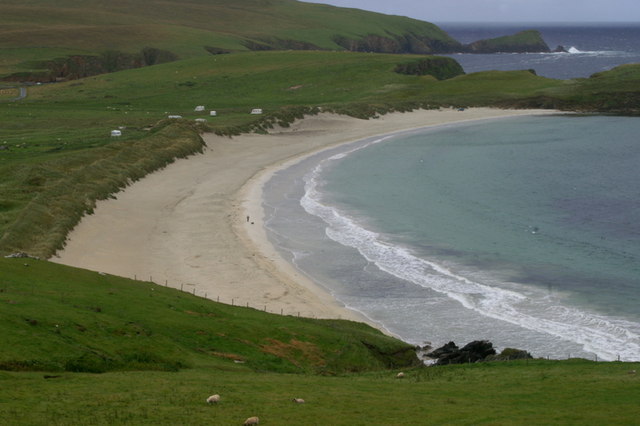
x,y
522,231
591,47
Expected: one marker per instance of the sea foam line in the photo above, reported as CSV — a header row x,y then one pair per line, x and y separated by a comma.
x,y
608,338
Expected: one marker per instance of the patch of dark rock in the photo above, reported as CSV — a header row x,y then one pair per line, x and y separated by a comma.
x,y
476,351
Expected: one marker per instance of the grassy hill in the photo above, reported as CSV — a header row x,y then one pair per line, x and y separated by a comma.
x,y
57,318
37,30
162,352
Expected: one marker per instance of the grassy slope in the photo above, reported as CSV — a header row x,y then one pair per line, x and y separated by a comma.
x,y
52,316
46,28
57,318
62,128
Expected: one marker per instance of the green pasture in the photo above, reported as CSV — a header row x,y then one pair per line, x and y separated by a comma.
x,y
108,358
572,392
79,347
84,348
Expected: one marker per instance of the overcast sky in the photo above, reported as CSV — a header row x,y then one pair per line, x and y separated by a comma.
x,y
501,10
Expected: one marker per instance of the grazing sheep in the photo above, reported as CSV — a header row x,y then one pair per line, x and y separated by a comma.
x,y
251,421
632,371
213,399
298,400
400,375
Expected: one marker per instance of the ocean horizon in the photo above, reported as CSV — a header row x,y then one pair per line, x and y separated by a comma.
x,y
591,47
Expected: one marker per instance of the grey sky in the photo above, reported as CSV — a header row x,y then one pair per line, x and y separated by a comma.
x,y
501,10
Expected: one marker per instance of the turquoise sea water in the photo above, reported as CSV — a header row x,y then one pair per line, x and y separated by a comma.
x,y
522,231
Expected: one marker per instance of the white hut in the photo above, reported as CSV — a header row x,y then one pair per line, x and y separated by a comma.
x,y
256,111
174,116
199,108
116,133
213,113
201,120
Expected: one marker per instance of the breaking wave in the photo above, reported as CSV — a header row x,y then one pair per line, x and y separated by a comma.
x,y
528,308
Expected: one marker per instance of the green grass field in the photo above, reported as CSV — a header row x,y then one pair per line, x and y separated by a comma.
x,y
541,392
163,352
83,348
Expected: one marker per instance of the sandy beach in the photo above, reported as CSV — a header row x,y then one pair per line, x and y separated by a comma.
x,y
197,224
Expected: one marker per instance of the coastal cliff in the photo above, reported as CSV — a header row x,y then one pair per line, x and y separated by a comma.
x,y
530,41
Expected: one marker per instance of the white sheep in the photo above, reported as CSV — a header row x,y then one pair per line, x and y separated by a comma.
x,y
400,375
251,421
298,400
213,399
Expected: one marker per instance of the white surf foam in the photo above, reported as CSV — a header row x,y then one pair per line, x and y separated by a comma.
x,y
609,338
575,51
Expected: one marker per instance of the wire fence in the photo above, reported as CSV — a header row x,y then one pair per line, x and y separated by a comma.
x,y
233,301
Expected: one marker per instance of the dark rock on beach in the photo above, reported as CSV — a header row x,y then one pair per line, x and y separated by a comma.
x,y
478,350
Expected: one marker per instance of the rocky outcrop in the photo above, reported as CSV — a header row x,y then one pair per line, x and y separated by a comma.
x,y
476,351
406,43
80,66
523,42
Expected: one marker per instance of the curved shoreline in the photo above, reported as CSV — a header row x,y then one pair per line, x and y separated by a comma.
x,y
186,226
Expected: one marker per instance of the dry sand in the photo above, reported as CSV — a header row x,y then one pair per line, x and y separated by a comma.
x,y
186,225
